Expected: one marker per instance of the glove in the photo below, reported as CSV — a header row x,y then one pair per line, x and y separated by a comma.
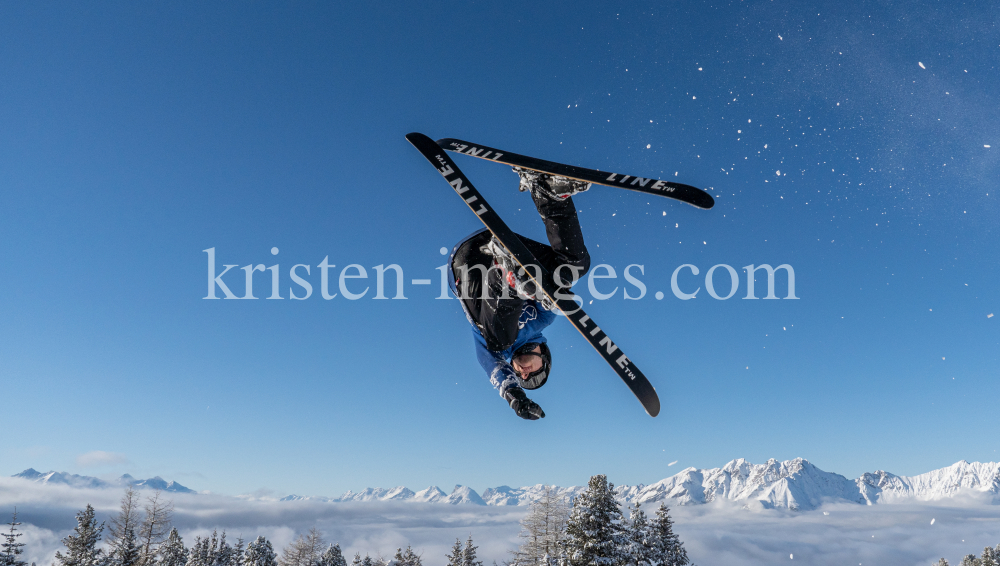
x,y
524,407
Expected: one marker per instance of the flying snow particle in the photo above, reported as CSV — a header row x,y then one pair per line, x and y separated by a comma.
x,y
783,328
648,146
921,65
932,521
986,145
778,173
989,315
826,512
677,225
739,131
671,463
699,68
781,38
765,146
791,557
694,98
664,212
942,357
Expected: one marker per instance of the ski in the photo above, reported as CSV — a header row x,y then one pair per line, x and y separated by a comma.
x,y
612,354
684,193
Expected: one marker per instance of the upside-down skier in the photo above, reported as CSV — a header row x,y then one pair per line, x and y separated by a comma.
x,y
507,312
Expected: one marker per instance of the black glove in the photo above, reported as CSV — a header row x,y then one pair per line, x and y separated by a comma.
x,y
524,407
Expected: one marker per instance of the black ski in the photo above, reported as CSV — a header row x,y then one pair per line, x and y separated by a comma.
x,y
684,193
601,342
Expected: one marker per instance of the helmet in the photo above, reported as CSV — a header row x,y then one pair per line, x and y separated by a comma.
x,y
537,378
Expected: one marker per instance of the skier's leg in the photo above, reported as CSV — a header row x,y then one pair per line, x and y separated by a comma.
x,y
485,295
562,227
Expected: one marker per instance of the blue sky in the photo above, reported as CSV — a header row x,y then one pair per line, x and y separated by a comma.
x,y
134,136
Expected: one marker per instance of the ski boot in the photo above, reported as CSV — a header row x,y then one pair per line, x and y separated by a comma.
x,y
521,283
552,186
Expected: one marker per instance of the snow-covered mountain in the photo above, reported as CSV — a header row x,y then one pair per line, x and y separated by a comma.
x,y
74,480
792,484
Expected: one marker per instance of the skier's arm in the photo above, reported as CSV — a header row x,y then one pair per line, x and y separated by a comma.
x,y
501,373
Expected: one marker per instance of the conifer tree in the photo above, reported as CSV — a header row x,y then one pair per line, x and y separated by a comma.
x,y
640,550
469,554
332,557
172,551
224,554
989,557
595,534
357,560
10,549
666,548
260,553
970,560
81,548
942,562
457,556
407,557
238,551
367,561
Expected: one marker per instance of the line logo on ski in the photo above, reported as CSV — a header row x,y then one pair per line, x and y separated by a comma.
x,y
456,184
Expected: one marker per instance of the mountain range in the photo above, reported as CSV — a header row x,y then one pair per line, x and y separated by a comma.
x,y
791,484
74,480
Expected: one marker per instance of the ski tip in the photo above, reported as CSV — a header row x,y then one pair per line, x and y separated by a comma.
x,y
413,136
653,409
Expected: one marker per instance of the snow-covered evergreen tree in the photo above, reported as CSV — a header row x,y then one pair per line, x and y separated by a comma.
x,y
357,560
332,557
666,548
595,534
640,549
367,561
125,551
10,549
225,554
989,557
469,554
260,553
172,552
407,557
942,562
970,560
81,548
238,549
542,530
457,556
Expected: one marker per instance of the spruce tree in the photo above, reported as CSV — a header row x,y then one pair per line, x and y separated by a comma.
x,y
367,561
332,557
10,549
666,548
238,550
469,554
81,548
407,557
224,554
357,559
457,556
970,560
260,553
989,557
595,534
640,550
172,551
942,562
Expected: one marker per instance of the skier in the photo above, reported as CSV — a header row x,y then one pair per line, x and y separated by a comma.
x,y
507,312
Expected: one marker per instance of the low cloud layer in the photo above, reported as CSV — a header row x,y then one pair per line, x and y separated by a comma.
x,y
835,534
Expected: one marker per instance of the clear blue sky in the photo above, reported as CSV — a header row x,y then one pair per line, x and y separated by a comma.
x,y
135,135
